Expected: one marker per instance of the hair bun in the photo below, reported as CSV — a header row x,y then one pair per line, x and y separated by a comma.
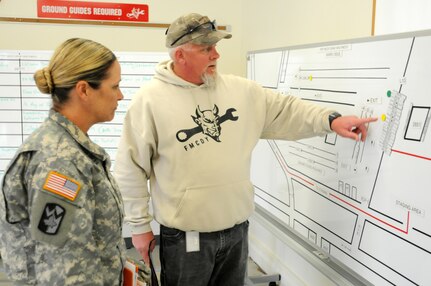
x,y
44,81
48,79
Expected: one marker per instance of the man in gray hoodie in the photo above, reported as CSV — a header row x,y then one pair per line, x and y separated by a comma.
x,y
190,132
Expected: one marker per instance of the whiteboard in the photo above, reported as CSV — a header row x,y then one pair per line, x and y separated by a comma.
x,y
367,205
23,108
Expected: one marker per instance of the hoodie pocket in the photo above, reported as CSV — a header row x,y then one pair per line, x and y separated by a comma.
x,y
214,207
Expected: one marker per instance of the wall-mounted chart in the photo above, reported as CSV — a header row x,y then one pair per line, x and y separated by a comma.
x,y
366,204
23,108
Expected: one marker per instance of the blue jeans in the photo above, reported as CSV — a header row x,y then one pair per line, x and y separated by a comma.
x,y
222,259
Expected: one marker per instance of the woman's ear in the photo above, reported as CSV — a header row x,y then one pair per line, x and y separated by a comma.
x,y
82,88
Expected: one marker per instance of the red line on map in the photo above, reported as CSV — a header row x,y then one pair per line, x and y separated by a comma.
x,y
410,154
406,231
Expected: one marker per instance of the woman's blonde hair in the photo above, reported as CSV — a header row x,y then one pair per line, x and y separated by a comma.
x,y
74,60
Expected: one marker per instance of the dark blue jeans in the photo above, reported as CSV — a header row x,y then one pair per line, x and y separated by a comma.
x,y
221,261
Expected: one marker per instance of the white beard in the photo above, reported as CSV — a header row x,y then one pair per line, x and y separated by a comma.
x,y
209,80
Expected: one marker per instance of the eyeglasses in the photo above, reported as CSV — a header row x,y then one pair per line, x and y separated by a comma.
x,y
210,26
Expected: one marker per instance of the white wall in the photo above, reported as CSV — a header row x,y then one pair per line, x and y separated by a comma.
x,y
398,16
281,23
48,36
256,25
290,22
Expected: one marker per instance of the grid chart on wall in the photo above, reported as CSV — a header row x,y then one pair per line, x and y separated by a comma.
x,y
23,107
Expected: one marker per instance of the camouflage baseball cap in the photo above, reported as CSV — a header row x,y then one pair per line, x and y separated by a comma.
x,y
193,28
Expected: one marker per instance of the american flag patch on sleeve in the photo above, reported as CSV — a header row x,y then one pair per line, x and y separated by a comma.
x,y
62,185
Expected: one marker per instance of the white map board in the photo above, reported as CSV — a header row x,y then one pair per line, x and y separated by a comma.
x,y
365,204
23,108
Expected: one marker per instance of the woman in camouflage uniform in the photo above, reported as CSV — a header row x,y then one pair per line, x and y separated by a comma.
x,y
60,210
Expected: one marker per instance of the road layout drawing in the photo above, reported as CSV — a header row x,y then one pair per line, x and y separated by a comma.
x,y
366,204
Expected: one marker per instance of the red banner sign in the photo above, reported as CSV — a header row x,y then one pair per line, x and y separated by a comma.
x,y
92,10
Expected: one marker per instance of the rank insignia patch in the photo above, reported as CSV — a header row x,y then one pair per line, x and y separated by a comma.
x,y
62,185
51,219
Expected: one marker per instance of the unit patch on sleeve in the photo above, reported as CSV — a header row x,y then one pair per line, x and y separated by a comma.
x,y
62,185
51,219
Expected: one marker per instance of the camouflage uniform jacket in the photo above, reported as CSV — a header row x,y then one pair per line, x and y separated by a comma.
x,y
60,210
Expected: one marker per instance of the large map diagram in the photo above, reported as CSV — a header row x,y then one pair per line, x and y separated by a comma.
x,y
367,204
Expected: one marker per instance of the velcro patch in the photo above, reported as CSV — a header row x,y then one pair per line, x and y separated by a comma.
x,y
51,219
62,185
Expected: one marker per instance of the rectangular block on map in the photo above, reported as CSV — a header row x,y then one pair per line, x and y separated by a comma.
x,y
330,215
409,260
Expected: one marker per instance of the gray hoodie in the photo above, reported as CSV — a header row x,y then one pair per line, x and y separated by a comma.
x,y
194,144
